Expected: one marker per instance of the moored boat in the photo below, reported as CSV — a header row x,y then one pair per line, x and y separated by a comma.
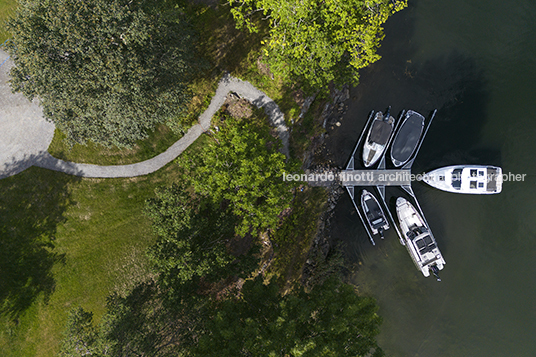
x,y
374,213
377,138
407,138
471,179
418,239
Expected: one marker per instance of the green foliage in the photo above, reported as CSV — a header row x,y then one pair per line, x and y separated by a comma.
x,y
193,237
136,325
106,71
294,238
331,320
81,337
243,166
318,42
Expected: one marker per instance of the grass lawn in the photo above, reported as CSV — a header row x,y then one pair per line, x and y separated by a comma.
x,y
6,9
67,242
158,142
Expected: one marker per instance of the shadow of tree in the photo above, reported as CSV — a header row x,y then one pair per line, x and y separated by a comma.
x,y
32,204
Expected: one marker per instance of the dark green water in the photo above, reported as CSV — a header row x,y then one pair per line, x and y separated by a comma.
x,y
475,61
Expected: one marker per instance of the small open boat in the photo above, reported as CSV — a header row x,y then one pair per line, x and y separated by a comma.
x,y
472,179
374,213
419,241
407,138
377,138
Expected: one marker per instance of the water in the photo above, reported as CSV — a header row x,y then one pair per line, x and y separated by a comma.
x,y
475,61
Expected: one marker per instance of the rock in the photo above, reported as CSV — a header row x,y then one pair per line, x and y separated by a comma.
x,y
338,123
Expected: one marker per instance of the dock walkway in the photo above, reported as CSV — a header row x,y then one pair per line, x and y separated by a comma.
x,y
375,177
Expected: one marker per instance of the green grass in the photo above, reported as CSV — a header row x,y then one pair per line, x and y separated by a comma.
x,y
293,240
159,141
68,242
6,9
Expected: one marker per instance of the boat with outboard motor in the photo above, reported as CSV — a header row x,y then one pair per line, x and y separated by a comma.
x,y
407,138
472,179
378,137
374,213
418,239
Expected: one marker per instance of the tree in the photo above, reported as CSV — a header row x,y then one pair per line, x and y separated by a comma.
x,y
193,238
103,70
318,42
331,320
139,324
243,166
81,337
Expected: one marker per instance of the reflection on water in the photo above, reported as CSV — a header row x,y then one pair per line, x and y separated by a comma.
x,y
475,61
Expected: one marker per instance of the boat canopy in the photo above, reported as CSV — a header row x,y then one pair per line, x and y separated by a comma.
x,y
380,132
373,212
407,138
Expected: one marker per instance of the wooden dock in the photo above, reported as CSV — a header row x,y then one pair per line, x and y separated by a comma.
x,y
375,177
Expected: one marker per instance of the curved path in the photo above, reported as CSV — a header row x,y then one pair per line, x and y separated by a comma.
x,y
29,149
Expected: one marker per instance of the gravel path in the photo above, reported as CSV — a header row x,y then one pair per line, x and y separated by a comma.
x,y
25,135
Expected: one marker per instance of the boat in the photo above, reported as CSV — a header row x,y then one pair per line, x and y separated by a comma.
x,y
378,138
471,179
374,213
407,138
418,239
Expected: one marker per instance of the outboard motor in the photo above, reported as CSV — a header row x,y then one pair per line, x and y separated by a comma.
x,y
435,271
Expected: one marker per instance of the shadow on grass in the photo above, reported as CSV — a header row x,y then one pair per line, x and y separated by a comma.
x,y
32,204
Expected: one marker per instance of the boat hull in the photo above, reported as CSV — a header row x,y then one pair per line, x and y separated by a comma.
x,y
407,138
377,139
374,213
467,179
418,239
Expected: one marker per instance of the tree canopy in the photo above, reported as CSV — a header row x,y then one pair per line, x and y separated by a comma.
x,y
331,320
103,70
319,41
243,166
193,239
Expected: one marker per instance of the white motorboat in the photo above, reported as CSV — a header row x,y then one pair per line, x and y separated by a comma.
x,y
419,241
472,179
377,138
407,138
374,213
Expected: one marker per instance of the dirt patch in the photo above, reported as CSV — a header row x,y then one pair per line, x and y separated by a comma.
x,y
237,107
299,97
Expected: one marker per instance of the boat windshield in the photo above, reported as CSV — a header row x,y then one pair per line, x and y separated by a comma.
x,y
457,178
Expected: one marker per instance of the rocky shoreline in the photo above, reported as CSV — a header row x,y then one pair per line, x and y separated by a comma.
x,y
319,263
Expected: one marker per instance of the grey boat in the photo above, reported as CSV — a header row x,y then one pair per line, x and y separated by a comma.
x,y
407,138
374,213
377,138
